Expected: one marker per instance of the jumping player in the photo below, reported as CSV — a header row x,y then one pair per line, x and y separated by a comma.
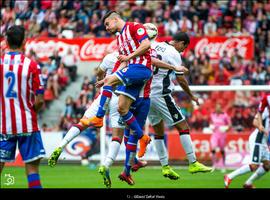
x,y
133,46
163,107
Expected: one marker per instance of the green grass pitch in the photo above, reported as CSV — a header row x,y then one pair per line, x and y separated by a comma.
x,y
76,176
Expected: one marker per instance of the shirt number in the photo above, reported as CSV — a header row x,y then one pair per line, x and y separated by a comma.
x,y
10,76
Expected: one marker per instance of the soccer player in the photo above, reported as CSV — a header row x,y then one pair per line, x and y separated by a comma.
x,y
220,122
259,151
109,65
163,107
133,46
21,97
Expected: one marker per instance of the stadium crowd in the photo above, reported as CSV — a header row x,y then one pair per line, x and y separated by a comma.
x,y
74,18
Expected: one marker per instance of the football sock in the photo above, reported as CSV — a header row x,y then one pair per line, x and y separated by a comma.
x,y
131,148
73,132
256,175
34,181
126,136
187,145
242,170
133,124
161,150
113,151
106,95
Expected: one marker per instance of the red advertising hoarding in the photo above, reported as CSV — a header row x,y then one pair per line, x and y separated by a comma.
x,y
93,49
237,148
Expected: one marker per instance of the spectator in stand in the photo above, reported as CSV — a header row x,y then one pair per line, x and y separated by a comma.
x,y
222,77
258,76
210,27
197,26
70,61
69,115
239,123
199,118
54,29
185,24
33,28
63,78
207,69
171,27
56,58
51,65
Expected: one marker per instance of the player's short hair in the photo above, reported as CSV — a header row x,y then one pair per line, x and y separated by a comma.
x,y
15,36
181,36
108,14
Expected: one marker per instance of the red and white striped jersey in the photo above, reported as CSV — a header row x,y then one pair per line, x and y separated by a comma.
x,y
20,81
146,90
129,39
265,102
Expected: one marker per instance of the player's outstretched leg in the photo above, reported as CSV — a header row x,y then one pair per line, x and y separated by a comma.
x,y
54,157
168,172
198,167
105,173
97,120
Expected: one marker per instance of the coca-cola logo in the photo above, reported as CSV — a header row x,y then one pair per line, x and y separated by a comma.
x,y
45,49
91,50
216,49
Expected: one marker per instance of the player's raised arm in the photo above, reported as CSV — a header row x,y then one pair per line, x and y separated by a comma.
x,y
160,64
184,85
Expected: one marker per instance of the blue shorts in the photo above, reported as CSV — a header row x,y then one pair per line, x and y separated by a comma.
x,y
140,109
133,79
30,146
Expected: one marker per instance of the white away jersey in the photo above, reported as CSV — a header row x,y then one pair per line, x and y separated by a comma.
x,y
162,78
108,63
254,137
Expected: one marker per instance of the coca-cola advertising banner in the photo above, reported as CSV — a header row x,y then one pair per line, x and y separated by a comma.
x,y
94,49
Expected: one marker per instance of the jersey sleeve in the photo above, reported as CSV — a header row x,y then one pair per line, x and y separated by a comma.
x,y
175,60
104,65
37,83
139,32
263,104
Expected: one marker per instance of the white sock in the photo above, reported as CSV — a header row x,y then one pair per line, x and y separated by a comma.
x,y
161,151
71,134
112,154
187,145
256,175
240,171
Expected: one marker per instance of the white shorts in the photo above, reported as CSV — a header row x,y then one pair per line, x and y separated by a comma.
x,y
164,108
114,115
258,148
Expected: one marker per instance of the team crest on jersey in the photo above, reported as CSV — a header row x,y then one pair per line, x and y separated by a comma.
x,y
175,116
140,31
124,70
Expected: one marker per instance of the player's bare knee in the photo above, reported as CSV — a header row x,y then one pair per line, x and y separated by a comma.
x,y
253,167
266,165
122,109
